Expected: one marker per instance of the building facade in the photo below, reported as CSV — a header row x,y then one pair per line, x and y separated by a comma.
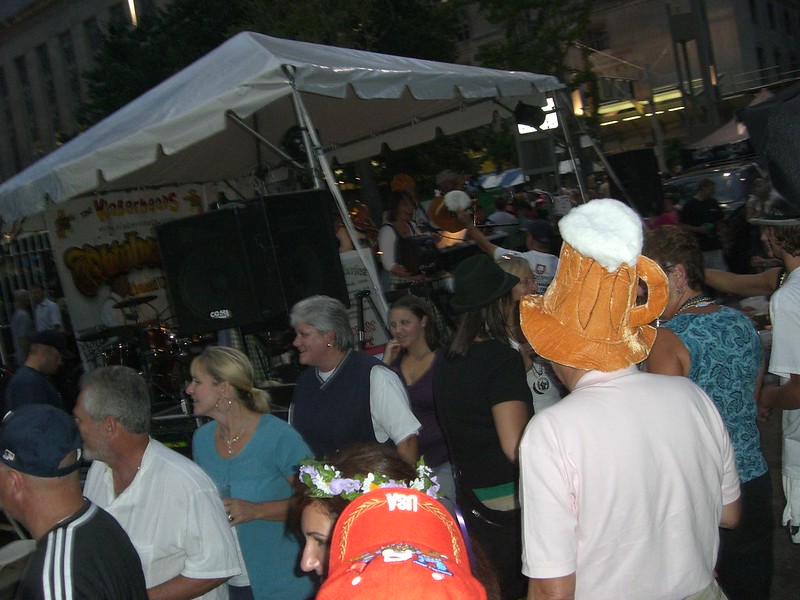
x,y
645,52
45,45
647,55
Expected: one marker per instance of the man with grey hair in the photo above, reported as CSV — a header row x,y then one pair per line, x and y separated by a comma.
x,y
168,506
81,551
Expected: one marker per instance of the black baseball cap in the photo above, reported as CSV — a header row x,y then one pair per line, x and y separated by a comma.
x,y
51,338
541,231
35,438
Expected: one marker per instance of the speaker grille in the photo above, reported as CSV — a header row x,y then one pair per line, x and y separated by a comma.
x,y
247,265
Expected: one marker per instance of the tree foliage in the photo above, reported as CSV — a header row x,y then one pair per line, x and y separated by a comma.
x,y
413,28
130,60
133,60
538,34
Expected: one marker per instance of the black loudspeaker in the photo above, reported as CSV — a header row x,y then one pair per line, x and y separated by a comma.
x,y
305,245
638,172
247,264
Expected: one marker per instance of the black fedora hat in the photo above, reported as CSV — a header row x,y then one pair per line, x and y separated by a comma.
x,y
774,129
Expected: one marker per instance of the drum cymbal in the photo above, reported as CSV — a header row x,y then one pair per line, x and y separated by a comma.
x,y
135,301
108,332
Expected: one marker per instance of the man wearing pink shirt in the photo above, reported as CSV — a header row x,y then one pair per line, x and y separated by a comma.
x,y
625,481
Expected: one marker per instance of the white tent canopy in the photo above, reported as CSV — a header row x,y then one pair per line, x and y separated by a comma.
x,y
354,101
733,131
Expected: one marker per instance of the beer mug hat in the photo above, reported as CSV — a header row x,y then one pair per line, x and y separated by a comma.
x,y
588,317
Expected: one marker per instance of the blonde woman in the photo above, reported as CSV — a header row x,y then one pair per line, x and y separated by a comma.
x,y
541,379
253,459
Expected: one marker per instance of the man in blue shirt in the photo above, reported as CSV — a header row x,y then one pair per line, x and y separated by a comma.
x,y
30,383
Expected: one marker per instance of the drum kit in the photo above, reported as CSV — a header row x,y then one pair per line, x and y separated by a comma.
x,y
152,348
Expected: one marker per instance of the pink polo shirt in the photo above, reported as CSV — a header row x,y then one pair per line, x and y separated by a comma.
x,y
623,483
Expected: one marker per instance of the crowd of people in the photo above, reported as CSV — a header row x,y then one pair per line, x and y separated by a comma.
x,y
587,429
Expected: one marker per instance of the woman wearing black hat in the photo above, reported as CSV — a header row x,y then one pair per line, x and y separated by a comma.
x,y
484,403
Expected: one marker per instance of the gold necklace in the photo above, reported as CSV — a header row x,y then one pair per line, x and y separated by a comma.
x,y
231,441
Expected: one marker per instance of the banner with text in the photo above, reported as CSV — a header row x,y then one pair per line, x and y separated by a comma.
x,y
98,238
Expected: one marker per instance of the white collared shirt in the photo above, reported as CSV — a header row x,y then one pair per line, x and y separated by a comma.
x,y
174,516
47,315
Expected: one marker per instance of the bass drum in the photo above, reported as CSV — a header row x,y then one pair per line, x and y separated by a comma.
x,y
122,353
157,340
194,345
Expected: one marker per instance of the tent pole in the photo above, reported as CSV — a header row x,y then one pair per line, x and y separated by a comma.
x,y
601,155
311,144
576,167
235,119
364,255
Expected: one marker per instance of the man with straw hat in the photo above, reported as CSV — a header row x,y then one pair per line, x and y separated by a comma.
x,y
625,481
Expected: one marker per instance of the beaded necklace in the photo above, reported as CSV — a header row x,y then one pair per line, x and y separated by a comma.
x,y
698,301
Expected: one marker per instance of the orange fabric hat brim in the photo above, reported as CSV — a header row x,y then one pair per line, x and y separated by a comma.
x,y
585,319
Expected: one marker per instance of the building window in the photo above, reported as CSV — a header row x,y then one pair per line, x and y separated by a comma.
x,y
93,34
10,133
72,72
787,22
771,15
30,111
612,88
597,38
753,11
463,29
46,75
762,64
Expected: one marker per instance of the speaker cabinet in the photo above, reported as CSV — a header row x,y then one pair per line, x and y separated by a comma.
x,y
305,245
638,172
248,264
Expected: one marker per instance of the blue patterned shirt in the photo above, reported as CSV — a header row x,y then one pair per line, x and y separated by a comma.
x,y
726,359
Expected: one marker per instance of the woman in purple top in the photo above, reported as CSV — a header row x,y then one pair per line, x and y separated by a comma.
x,y
413,354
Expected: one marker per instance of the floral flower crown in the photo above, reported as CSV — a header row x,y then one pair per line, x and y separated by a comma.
x,y
325,481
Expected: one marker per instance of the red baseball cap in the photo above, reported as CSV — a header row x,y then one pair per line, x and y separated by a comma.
x,y
398,543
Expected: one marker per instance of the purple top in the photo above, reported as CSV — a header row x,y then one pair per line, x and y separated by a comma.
x,y
420,395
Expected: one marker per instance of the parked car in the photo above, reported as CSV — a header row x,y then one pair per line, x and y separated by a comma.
x,y
732,187
732,180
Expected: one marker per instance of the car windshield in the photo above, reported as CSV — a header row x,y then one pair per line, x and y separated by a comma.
x,y
730,186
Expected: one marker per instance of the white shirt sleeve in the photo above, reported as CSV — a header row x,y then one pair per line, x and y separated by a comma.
x,y
498,252
110,316
387,242
54,317
391,412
